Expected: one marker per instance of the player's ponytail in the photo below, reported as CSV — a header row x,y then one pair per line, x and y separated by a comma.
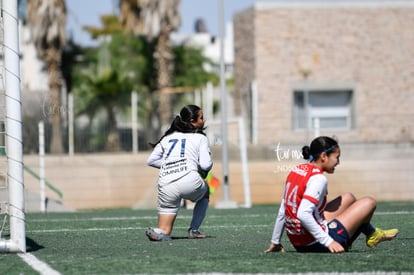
x,y
319,145
306,152
182,122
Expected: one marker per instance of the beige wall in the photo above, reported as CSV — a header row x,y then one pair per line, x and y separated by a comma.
x,y
124,180
365,46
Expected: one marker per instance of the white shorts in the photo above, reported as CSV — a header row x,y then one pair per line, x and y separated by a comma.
x,y
191,187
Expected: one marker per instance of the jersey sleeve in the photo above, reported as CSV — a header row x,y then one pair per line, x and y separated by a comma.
x,y
279,224
155,159
315,188
315,191
205,161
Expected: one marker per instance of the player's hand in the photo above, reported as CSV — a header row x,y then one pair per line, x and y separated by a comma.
x,y
336,247
275,248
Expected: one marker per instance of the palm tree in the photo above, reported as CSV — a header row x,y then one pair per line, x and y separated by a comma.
x,y
156,19
110,73
107,89
47,19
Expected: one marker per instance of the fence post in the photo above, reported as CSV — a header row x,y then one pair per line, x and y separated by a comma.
x,y
134,119
42,166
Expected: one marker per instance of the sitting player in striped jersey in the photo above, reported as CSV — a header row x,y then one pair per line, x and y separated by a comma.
x,y
314,225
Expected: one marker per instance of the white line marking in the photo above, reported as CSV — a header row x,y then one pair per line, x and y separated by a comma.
x,y
95,229
184,216
394,213
41,267
312,273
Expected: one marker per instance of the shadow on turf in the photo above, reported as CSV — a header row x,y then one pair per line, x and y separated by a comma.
x,y
31,245
187,238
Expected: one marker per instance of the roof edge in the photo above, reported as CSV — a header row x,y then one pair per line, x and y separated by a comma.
x,y
333,4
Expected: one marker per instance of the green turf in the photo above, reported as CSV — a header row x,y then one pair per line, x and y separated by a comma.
x,y
113,242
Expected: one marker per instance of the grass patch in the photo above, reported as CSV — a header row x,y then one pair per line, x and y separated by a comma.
x,y
113,242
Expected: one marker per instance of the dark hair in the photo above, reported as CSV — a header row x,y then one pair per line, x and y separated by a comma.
x,y
182,122
318,146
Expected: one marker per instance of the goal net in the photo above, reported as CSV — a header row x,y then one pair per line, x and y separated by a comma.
x,y
12,216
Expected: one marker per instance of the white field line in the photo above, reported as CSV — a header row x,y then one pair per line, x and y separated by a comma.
x,y
187,217
311,273
135,218
394,213
41,267
94,229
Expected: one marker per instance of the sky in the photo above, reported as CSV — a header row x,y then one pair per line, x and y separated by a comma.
x,y
88,12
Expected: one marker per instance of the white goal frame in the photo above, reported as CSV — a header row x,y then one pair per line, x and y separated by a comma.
x,y
238,137
13,147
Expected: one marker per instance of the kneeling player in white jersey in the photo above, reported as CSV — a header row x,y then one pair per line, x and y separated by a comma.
x,y
184,159
314,225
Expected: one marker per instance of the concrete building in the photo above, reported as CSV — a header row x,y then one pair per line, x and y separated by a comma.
x,y
210,47
346,67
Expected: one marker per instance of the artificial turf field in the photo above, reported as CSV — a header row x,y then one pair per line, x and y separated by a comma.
x,y
113,242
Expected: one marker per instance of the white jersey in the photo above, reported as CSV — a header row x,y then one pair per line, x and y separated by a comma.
x,y
180,154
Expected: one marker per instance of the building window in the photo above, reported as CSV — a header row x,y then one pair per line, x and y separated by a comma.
x,y
323,108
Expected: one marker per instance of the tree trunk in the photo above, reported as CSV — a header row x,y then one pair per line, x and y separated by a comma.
x,y
56,146
112,138
153,132
163,57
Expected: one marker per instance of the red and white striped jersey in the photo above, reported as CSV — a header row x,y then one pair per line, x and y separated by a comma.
x,y
305,181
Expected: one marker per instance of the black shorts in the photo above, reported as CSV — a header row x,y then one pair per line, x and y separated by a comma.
x,y
337,232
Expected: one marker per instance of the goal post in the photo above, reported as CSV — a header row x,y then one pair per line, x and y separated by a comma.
x,y
237,136
13,209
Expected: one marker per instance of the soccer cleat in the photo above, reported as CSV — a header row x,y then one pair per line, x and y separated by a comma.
x,y
157,235
381,235
195,234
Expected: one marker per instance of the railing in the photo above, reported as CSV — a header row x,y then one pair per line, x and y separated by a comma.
x,y
34,174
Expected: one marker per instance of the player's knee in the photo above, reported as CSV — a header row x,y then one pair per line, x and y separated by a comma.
x,y
370,202
348,197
